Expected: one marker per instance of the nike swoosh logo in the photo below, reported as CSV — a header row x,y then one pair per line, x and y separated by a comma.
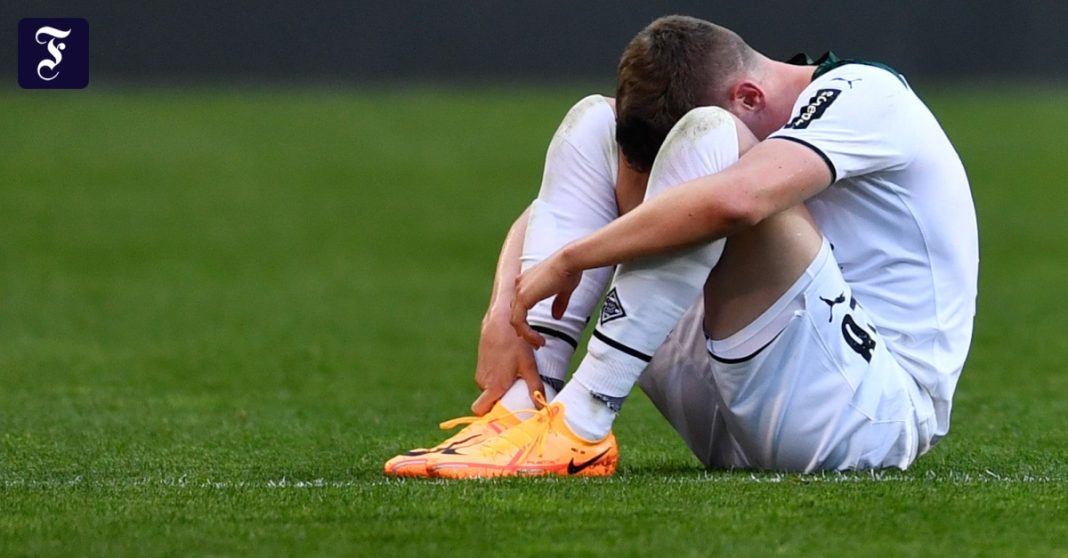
x,y
573,469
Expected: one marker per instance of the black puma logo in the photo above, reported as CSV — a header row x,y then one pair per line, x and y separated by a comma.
x,y
830,305
849,82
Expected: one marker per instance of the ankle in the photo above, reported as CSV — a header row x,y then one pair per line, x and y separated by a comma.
x,y
589,415
517,398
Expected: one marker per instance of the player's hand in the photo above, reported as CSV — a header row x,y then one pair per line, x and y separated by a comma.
x,y
548,278
502,357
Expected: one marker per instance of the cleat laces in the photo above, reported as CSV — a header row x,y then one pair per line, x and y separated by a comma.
x,y
486,418
528,434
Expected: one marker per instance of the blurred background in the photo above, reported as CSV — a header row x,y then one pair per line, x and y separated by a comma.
x,y
360,42
259,247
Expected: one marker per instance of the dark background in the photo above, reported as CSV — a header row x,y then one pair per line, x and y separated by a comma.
x,y
334,41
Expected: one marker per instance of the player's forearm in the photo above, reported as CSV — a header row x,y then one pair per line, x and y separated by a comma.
x,y
508,265
688,214
769,178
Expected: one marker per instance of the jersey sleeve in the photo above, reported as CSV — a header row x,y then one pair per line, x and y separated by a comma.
x,y
856,118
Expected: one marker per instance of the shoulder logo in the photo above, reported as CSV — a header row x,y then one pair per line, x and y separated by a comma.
x,y
612,309
815,108
848,81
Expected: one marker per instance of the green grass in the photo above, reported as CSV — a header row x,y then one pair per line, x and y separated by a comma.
x,y
221,311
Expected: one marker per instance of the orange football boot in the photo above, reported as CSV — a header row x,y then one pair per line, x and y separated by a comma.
x,y
498,419
540,445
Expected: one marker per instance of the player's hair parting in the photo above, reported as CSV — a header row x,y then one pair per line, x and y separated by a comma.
x,y
672,66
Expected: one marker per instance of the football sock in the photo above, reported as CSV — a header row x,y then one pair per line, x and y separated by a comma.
x,y
517,398
589,414
553,361
648,296
577,197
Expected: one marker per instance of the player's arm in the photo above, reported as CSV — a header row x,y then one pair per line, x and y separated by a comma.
x,y
508,265
502,356
774,175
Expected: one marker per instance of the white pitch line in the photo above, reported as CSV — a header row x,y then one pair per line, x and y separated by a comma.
x,y
952,477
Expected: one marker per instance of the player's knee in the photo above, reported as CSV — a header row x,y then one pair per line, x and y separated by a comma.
x,y
581,163
591,122
700,125
704,141
704,117
700,121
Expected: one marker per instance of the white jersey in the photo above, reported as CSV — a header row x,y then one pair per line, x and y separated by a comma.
x,y
899,216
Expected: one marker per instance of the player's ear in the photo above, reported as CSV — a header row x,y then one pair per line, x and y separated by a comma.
x,y
747,97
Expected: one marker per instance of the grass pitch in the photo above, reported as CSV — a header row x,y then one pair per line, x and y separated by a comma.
x,y
220,312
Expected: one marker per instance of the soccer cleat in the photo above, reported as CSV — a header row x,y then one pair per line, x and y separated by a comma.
x,y
540,445
498,419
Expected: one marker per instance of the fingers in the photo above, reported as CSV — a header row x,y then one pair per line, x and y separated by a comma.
x,y
528,371
525,368
522,328
560,304
485,401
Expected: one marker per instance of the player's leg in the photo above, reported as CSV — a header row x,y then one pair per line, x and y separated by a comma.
x,y
756,269
577,196
679,383
648,296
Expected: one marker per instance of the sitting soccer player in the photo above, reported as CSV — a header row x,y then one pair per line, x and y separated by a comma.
x,y
838,258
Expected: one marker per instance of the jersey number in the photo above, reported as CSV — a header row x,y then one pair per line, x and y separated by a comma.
x,y
857,338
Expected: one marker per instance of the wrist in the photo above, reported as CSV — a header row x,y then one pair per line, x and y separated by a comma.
x,y
569,259
497,314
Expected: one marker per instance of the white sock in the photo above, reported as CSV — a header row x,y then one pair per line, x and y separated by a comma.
x,y
648,296
517,398
588,416
553,360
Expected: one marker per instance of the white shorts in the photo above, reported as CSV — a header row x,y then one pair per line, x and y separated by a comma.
x,y
808,386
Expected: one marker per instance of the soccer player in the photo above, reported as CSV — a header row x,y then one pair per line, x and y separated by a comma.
x,y
838,257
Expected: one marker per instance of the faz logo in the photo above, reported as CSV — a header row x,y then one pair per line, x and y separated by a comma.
x,y
814,109
612,309
53,53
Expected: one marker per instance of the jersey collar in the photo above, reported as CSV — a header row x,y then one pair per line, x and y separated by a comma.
x,y
825,63
829,61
